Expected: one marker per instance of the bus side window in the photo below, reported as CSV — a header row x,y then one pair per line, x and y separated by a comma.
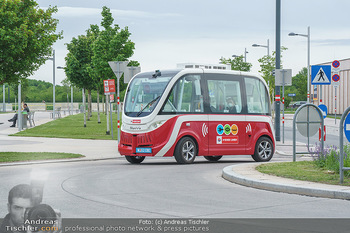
x,y
257,97
185,97
225,96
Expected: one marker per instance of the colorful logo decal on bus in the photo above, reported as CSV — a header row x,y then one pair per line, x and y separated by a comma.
x,y
220,129
227,129
234,129
226,139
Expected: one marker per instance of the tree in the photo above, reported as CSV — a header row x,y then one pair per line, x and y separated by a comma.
x,y
111,44
78,61
237,63
26,36
267,65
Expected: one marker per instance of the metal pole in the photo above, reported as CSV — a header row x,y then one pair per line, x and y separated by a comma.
x,y
84,107
54,85
283,71
3,99
118,99
19,113
107,115
268,47
308,65
245,54
8,94
335,104
278,65
71,98
110,107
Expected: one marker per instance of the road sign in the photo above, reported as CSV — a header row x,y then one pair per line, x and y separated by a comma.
x,y
323,109
347,127
291,94
320,75
335,79
109,86
336,64
304,114
283,73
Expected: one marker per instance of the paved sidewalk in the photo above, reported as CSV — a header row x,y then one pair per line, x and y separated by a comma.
x,y
91,149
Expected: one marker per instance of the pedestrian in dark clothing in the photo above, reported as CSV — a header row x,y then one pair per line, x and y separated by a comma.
x,y
15,117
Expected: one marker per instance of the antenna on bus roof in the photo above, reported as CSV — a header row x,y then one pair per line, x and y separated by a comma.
x,y
156,74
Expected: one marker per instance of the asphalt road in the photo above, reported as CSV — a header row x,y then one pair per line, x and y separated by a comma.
x,y
161,188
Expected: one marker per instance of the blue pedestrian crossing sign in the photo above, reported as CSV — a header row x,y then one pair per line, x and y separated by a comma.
x,y
321,75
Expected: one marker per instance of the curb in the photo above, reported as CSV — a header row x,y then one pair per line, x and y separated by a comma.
x,y
230,175
54,161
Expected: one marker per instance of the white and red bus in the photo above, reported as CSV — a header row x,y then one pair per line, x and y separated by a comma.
x,y
196,112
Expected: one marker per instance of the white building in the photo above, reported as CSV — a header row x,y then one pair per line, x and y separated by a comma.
x,y
339,98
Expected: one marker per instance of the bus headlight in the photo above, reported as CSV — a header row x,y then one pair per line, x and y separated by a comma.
x,y
158,124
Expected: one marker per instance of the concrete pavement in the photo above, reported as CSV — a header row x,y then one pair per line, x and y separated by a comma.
x,y
91,149
244,174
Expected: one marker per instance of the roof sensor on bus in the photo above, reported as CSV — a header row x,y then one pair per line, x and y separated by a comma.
x,y
156,74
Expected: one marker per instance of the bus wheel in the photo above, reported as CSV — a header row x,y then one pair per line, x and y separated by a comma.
x,y
185,150
263,150
213,158
134,159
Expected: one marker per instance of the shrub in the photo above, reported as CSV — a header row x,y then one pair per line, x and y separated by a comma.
x,y
329,158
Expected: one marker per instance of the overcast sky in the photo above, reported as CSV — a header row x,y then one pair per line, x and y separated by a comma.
x,y
167,32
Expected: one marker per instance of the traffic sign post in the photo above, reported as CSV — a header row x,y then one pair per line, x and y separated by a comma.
x,y
335,83
109,89
344,125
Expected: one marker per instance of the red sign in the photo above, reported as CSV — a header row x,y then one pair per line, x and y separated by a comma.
x,y
109,86
111,98
324,133
278,98
336,64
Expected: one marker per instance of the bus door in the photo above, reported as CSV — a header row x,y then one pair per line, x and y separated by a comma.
x,y
186,102
227,124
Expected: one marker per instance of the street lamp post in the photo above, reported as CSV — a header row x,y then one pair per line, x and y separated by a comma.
x,y
245,55
268,54
54,83
308,59
265,46
71,92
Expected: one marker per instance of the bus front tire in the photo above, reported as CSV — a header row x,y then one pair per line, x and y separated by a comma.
x,y
185,151
134,159
213,158
263,150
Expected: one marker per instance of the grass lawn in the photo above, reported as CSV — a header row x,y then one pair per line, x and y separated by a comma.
x,y
73,127
28,156
303,170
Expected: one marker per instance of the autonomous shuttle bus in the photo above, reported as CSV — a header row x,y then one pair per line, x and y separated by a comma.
x,y
196,112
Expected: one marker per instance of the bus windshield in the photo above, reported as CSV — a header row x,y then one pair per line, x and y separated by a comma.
x,y
144,92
